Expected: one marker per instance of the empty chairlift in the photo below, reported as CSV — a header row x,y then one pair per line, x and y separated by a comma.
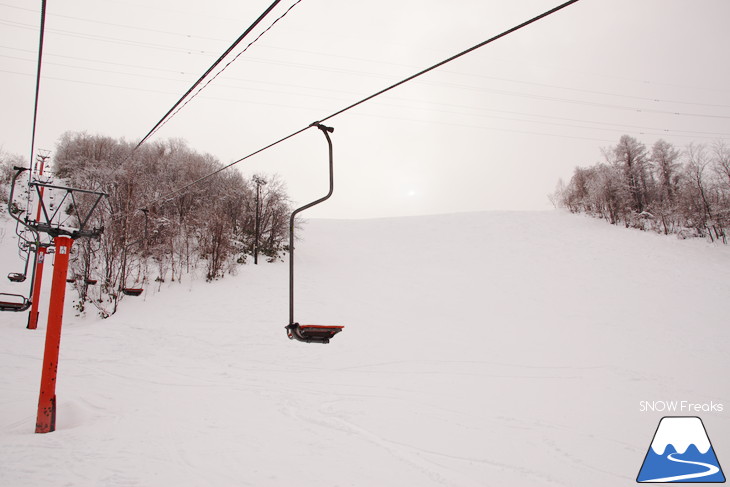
x,y
21,276
132,291
16,277
13,302
309,333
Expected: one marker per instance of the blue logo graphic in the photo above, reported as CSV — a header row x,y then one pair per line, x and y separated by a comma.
x,y
681,452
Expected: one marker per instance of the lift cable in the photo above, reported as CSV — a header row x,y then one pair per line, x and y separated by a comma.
x,y
169,195
452,58
211,68
226,66
37,85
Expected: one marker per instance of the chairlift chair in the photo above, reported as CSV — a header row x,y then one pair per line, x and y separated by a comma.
x,y
16,277
90,282
21,276
312,333
132,291
14,302
295,331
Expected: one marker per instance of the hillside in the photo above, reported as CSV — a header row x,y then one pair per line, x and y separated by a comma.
x,y
479,349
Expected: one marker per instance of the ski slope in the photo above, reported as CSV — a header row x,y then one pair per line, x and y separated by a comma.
x,y
505,349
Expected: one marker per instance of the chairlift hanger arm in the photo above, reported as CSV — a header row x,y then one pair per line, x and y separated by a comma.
x,y
20,276
326,131
18,171
24,222
295,331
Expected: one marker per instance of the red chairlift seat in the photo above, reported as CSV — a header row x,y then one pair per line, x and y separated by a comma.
x,y
13,302
132,291
16,277
90,282
312,333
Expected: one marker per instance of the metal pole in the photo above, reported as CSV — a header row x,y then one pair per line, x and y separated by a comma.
x,y
256,226
46,419
37,86
259,181
40,257
291,269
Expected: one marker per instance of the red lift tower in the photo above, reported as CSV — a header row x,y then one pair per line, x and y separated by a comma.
x,y
63,238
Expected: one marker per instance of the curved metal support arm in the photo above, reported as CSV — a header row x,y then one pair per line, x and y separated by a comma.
x,y
18,172
23,222
326,131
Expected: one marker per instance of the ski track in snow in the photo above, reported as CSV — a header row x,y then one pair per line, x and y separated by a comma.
x,y
517,357
711,470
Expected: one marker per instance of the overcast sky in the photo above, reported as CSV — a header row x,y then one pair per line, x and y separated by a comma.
x,y
493,130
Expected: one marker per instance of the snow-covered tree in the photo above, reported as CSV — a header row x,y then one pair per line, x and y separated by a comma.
x,y
666,191
165,213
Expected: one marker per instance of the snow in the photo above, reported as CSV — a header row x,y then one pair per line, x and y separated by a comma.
x,y
681,432
478,349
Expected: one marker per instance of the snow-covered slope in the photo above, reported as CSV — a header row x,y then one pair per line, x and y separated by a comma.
x,y
479,349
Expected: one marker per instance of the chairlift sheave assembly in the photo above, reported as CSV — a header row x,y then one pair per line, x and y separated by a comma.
x,y
295,331
18,302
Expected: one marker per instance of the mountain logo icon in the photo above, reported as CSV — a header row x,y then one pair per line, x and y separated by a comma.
x,y
681,452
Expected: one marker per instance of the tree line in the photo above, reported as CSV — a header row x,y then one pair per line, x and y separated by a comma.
x,y
665,189
150,232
